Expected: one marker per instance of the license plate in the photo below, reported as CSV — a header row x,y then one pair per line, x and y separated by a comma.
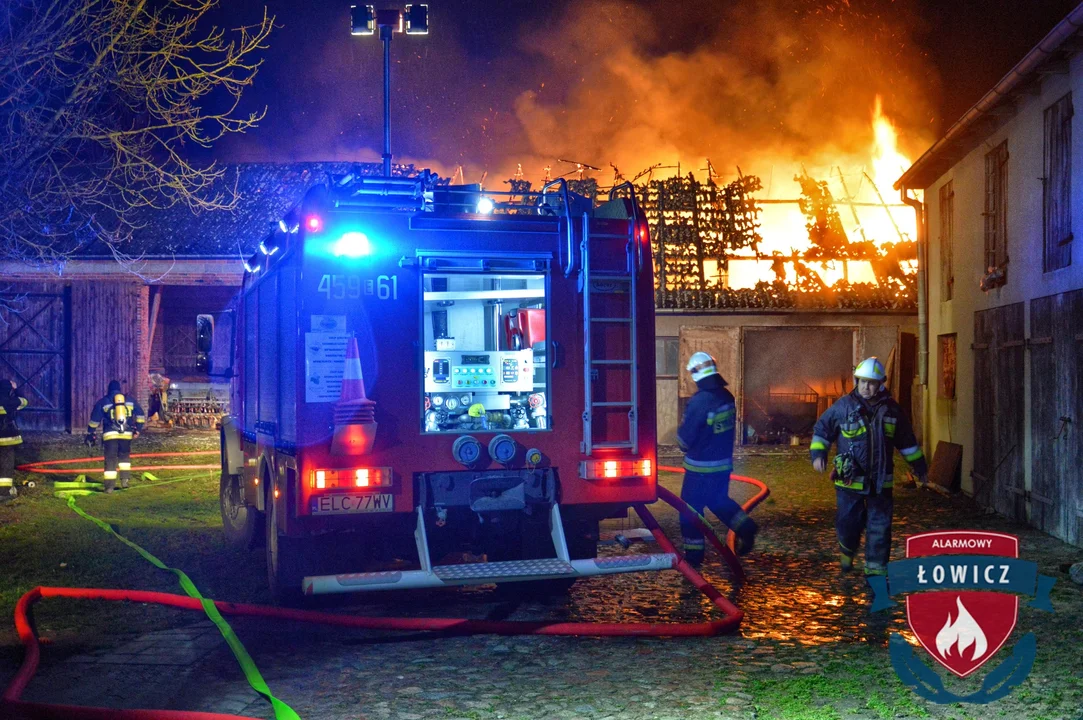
x,y
339,504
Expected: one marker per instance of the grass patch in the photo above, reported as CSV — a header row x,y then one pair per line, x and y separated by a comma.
x,y
840,689
44,543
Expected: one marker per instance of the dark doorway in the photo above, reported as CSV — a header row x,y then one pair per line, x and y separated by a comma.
x,y
791,376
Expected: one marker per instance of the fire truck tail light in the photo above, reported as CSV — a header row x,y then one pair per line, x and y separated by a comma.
x,y
350,478
313,223
613,469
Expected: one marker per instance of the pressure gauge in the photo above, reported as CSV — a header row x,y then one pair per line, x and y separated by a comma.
x,y
464,399
451,403
438,400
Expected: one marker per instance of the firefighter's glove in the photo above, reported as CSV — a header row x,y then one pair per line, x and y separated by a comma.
x,y
819,464
844,466
90,440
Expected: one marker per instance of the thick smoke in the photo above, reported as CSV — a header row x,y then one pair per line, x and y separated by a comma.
x,y
754,84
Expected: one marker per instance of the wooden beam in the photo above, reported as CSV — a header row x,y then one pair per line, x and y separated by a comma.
x,y
1054,67
1072,45
155,307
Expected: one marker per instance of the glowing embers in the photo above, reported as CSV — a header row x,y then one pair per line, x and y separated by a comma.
x,y
349,478
615,469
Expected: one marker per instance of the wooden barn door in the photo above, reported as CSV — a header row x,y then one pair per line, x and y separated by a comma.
x,y
724,345
999,410
34,352
1055,428
1074,479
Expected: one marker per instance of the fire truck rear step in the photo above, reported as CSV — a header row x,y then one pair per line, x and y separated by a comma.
x,y
561,566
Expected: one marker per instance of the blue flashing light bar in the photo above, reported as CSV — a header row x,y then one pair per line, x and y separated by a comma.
x,y
352,244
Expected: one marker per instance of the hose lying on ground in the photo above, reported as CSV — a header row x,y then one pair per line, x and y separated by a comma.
x,y
14,707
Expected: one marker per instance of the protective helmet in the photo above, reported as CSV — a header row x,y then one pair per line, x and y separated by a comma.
x,y
870,369
701,365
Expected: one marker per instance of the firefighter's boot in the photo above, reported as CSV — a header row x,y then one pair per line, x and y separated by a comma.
x,y
846,561
745,530
125,473
693,551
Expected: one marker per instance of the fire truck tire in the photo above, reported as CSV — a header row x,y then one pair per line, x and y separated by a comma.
x,y
242,524
285,560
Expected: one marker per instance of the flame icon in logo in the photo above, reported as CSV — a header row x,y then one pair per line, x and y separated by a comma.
x,y
965,632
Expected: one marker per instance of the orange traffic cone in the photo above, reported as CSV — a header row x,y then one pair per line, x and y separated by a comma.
x,y
354,413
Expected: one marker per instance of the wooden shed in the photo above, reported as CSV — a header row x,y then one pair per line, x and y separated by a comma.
x,y
65,334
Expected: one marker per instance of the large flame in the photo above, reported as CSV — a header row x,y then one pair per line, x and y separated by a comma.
x,y
887,162
861,185
964,632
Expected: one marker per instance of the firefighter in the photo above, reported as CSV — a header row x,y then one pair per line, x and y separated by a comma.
x,y
120,419
706,437
868,425
10,403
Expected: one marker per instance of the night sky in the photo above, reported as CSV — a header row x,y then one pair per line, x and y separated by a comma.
x,y
500,83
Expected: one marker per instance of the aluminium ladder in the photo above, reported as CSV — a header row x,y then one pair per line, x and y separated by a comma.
x,y
619,282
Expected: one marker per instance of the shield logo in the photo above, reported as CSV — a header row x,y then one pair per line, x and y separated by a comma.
x,y
962,630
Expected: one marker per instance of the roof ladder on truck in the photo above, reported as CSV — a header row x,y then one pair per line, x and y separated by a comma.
x,y
611,292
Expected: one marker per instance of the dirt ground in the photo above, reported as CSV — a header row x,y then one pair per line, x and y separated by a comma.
x,y
808,648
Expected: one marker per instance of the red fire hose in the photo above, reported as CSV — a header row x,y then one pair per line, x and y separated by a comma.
x,y
27,635
42,467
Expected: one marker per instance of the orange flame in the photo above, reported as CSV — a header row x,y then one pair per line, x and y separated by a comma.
x,y
868,208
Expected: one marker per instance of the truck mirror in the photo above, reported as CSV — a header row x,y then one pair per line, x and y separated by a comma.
x,y
204,333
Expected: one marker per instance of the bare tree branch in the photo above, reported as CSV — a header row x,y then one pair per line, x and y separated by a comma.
x,y
98,100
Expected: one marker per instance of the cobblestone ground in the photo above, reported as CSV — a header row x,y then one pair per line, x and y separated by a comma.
x,y
807,648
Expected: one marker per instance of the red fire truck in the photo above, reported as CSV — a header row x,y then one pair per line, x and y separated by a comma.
x,y
425,372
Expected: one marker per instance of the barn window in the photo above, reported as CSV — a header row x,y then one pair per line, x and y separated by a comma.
x,y
996,216
947,240
946,360
1057,185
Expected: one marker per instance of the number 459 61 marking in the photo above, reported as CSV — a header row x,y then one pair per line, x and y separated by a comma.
x,y
341,287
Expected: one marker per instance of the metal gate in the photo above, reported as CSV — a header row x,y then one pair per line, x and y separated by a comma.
x,y
1056,347
34,352
998,410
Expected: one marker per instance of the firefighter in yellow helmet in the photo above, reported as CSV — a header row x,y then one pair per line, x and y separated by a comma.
x,y
120,419
706,437
10,403
869,426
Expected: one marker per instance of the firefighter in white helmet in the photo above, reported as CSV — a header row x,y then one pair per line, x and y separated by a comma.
x,y
706,436
120,419
868,425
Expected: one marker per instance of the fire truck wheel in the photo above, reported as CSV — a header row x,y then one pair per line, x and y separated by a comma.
x,y
285,566
242,524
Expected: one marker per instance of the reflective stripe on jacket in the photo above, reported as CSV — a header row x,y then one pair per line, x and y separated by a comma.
x,y
117,420
869,431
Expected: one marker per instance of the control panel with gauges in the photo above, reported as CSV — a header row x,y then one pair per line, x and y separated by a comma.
x,y
479,372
